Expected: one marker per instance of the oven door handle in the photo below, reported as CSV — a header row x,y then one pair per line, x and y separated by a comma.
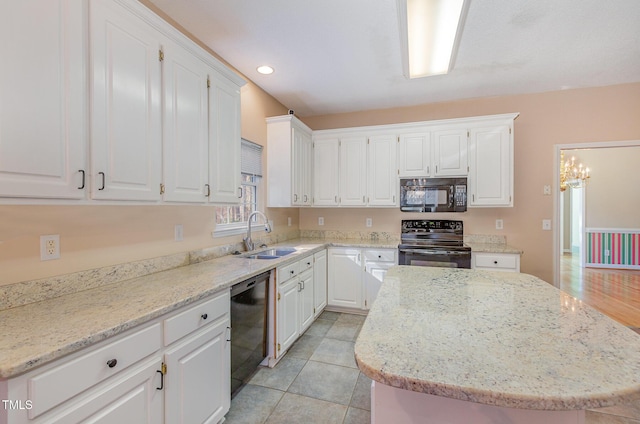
x,y
430,252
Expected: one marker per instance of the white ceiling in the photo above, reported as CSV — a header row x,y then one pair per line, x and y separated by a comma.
x,y
335,56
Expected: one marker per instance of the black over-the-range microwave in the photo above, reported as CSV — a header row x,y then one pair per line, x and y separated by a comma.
x,y
433,194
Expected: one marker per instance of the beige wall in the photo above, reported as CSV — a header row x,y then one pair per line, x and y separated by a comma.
x,y
613,192
547,119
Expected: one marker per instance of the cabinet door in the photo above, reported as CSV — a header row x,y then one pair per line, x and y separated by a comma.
x,y
373,278
326,155
132,397
353,171
306,300
491,167
302,167
224,139
125,103
288,313
197,382
42,112
186,139
415,155
450,150
344,280
383,171
319,282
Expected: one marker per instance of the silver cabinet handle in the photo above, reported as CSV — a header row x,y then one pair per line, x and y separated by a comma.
x,y
295,197
306,198
208,187
103,180
239,192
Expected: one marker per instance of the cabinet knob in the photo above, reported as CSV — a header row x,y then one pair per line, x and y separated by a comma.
x,y
379,256
308,263
204,316
112,363
495,262
292,272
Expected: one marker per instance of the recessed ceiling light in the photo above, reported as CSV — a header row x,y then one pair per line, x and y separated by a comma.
x,y
265,70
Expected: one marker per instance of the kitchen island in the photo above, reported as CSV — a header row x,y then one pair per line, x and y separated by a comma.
x,y
460,346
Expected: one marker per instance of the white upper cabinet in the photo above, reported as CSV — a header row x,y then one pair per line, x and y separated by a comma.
x,y
126,114
302,167
353,171
185,141
450,153
155,133
383,170
43,109
490,181
225,141
415,155
326,159
289,162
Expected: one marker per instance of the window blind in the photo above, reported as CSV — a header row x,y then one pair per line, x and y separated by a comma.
x,y
251,158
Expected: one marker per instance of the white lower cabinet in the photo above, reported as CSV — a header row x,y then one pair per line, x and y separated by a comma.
x,y
135,377
495,261
355,275
319,282
376,264
301,297
197,386
344,279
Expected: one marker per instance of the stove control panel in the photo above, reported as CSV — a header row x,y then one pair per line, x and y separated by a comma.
x,y
417,225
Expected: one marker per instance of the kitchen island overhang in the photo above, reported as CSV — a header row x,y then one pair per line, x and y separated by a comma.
x,y
498,339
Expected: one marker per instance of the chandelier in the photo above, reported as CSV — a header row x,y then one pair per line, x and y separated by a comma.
x,y
571,175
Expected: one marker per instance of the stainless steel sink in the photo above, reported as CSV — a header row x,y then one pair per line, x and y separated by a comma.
x,y
274,253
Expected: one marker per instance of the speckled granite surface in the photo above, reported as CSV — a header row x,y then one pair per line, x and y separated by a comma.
x,y
490,244
37,333
502,339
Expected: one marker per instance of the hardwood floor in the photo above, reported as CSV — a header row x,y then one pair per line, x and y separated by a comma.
x,y
615,293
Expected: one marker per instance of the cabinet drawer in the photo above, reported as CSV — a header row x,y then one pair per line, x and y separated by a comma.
x,y
380,255
496,261
288,271
196,317
305,264
61,383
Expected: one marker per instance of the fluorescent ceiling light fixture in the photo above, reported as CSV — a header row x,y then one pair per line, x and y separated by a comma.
x,y
265,70
430,31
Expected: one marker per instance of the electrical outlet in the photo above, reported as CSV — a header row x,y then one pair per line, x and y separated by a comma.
x,y
606,252
546,224
499,224
320,220
178,232
49,247
546,190
369,222
289,221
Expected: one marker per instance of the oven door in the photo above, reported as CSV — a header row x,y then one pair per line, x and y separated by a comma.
x,y
438,257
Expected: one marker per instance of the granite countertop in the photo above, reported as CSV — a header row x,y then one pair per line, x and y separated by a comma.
x,y
503,339
493,248
46,330
41,332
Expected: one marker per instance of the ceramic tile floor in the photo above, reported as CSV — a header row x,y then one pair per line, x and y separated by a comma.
x,y
318,381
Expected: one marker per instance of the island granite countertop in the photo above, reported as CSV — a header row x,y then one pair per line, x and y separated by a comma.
x,y
504,339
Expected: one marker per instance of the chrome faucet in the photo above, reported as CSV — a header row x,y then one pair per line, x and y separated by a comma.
x,y
248,243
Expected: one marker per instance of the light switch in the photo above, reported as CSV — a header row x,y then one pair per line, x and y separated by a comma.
x,y
369,222
499,224
320,220
546,190
546,224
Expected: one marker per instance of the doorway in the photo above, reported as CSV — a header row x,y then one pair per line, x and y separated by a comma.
x,y
576,201
561,233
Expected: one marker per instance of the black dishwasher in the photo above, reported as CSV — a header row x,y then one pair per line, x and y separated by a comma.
x,y
249,305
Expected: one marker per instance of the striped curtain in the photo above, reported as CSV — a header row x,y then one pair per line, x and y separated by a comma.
x,y
616,248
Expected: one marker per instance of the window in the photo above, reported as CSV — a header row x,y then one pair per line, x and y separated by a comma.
x,y
232,219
